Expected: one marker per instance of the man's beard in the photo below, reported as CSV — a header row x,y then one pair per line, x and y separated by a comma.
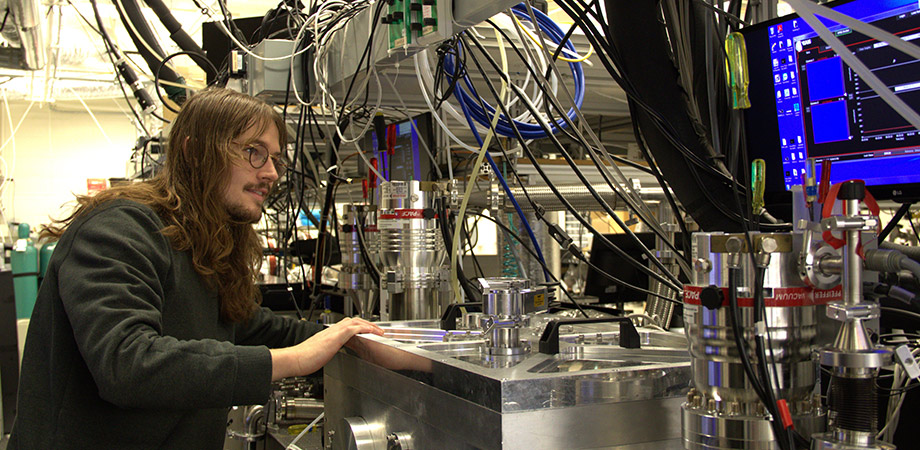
x,y
240,214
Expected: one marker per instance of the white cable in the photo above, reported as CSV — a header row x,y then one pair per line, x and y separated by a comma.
x,y
894,406
372,57
483,151
12,138
426,77
146,44
93,116
13,134
807,13
292,445
411,120
619,180
423,68
444,106
651,322
7,175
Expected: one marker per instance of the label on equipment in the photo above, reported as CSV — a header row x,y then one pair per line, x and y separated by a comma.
x,y
690,311
403,214
389,224
789,296
390,191
539,300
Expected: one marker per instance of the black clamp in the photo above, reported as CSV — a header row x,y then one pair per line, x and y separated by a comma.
x,y
454,311
549,341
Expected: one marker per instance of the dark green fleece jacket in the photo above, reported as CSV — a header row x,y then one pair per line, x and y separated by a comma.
x,y
126,349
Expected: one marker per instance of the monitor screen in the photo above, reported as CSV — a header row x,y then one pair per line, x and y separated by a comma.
x,y
606,260
403,155
807,103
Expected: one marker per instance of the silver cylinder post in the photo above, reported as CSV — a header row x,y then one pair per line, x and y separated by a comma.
x,y
852,279
853,358
412,252
503,313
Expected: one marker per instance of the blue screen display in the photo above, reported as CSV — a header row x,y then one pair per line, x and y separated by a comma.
x,y
824,110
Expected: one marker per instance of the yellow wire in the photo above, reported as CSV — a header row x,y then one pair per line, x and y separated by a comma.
x,y
562,58
461,218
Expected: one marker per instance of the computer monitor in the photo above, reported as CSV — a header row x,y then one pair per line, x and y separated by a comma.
x,y
606,260
807,103
403,156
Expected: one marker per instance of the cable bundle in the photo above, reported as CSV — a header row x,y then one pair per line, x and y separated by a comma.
x,y
481,110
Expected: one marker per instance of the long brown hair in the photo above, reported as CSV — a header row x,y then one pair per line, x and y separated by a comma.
x,y
187,195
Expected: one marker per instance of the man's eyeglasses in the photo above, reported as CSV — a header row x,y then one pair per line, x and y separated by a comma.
x,y
258,156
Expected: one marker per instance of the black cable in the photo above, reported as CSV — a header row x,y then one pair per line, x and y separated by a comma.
x,y
610,59
734,317
534,254
910,220
364,54
605,52
162,64
467,231
230,24
672,284
902,312
685,233
620,282
893,223
444,224
779,431
143,38
365,254
568,158
178,35
581,141
733,18
111,50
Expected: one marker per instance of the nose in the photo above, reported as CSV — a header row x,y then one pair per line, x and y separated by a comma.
x,y
268,172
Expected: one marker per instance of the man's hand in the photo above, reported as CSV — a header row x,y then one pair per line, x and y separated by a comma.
x,y
312,354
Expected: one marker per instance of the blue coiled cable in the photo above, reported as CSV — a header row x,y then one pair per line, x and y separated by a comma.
x,y
501,179
504,127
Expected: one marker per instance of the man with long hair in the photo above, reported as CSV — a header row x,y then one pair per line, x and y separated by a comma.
x,y
147,325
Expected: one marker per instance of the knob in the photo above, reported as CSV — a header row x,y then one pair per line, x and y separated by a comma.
x,y
712,297
852,190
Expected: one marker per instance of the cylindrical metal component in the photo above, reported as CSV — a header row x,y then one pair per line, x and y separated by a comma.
x,y
655,306
412,251
503,309
852,278
292,409
354,277
577,195
729,413
853,404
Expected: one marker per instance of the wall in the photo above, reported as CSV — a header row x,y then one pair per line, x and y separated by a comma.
x,y
57,147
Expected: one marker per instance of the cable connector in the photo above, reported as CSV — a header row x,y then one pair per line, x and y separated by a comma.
x,y
907,361
539,210
559,234
783,409
760,329
565,241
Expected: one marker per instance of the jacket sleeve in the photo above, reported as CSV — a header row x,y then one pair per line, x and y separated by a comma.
x,y
274,331
109,281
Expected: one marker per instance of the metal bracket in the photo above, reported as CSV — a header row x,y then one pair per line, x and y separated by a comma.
x,y
861,311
